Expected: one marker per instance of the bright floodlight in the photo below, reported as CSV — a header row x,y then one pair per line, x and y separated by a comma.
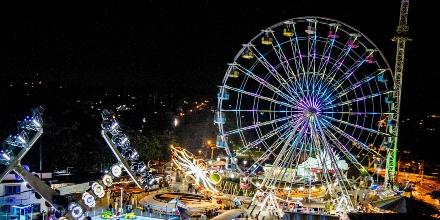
x,y
151,181
176,122
89,200
107,180
124,140
4,155
116,170
36,123
76,210
98,190
21,139
142,169
114,125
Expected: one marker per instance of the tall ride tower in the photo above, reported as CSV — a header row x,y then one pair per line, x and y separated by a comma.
x,y
393,128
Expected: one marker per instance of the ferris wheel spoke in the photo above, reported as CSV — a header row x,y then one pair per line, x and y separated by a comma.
x,y
317,142
322,85
311,50
266,84
261,110
319,88
337,65
343,149
341,58
286,66
296,52
295,137
325,154
271,149
357,113
330,42
351,138
355,100
352,69
258,124
334,86
311,66
285,167
305,103
357,126
358,83
295,159
349,72
264,137
283,83
288,165
284,62
327,150
258,96
297,57
275,177
288,135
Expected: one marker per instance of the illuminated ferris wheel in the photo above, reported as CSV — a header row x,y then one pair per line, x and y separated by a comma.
x,y
303,103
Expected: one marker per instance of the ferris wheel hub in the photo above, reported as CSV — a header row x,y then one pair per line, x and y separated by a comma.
x,y
311,112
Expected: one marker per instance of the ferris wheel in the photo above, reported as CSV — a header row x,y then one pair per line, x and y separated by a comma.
x,y
304,103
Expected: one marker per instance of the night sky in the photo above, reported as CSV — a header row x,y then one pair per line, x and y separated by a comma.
x,y
186,44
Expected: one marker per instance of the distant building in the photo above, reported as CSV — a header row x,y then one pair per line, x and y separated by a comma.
x,y
18,200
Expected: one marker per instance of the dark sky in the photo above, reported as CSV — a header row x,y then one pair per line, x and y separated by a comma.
x,y
184,44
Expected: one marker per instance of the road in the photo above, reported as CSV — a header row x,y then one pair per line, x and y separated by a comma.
x,y
423,186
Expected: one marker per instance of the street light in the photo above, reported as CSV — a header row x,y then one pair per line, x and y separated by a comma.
x,y
212,146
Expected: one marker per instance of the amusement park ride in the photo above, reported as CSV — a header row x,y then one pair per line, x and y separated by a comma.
x,y
306,103
195,168
30,129
400,39
302,101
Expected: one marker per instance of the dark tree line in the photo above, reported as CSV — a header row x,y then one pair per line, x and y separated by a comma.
x,y
76,142
154,145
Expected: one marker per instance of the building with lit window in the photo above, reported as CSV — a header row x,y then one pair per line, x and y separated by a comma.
x,y
19,201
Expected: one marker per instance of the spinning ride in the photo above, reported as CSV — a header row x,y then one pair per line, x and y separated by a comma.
x,y
195,168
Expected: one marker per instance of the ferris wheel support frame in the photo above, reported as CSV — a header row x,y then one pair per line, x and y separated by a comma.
x,y
400,39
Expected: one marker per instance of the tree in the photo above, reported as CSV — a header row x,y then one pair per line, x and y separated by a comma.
x,y
153,145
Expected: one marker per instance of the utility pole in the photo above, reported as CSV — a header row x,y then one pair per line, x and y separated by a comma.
x,y
398,170
393,128
122,199
41,157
